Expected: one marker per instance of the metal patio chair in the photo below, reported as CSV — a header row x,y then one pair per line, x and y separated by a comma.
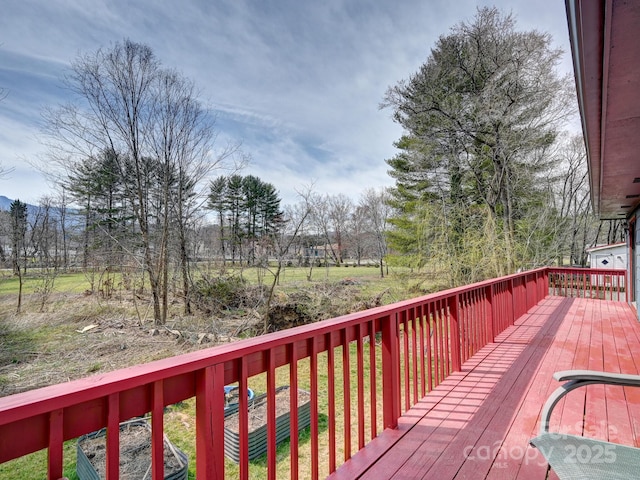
x,y
577,457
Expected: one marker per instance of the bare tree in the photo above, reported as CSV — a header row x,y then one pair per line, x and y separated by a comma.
x,y
331,215
375,206
44,246
160,139
293,225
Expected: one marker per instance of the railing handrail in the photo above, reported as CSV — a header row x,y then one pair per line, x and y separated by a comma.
x,y
18,406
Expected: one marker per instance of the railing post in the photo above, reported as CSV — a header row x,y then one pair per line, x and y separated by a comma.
x,y
390,379
112,466
454,333
157,430
209,424
56,439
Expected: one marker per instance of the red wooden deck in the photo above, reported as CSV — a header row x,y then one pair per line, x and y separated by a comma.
x,y
478,422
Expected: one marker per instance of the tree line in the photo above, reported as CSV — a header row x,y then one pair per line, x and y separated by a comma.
x,y
93,229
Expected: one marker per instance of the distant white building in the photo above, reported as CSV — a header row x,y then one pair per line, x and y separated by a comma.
x,y
608,256
612,256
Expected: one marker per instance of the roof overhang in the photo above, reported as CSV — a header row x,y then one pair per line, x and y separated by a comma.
x,y
605,39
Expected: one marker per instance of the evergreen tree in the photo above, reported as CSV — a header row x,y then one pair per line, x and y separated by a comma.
x,y
18,214
248,212
480,117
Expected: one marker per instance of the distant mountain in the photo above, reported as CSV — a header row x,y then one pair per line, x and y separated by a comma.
x,y
5,203
33,210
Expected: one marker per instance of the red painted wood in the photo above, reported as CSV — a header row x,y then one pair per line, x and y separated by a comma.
x,y
346,399
451,332
157,430
430,344
489,399
243,420
525,423
442,352
332,408
360,380
405,356
414,355
390,380
435,345
209,463
373,397
595,393
314,410
293,408
561,341
54,457
271,415
113,438
618,427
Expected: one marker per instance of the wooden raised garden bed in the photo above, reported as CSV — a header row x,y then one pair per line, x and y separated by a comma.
x,y
258,423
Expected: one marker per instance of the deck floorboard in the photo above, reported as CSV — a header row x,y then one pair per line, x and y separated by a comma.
x,y
477,424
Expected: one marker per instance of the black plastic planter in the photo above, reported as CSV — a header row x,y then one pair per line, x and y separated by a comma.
x,y
91,454
258,436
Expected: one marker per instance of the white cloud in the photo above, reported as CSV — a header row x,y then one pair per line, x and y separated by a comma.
x,y
299,82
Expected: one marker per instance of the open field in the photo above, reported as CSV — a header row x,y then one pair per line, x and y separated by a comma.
x,y
77,334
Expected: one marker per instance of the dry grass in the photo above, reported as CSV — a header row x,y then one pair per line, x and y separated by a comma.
x,y
41,349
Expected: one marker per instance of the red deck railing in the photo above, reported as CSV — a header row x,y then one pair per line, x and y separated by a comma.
x,y
406,349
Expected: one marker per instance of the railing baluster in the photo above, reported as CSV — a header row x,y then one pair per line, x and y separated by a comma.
x,y
314,409
56,442
405,346
430,344
157,430
209,428
440,354
243,419
113,438
423,353
332,402
390,380
293,409
360,380
346,381
458,317
454,333
271,414
489,304
472,325
372,378
414,354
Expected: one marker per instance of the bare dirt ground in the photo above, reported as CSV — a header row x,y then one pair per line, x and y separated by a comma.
x,y
135,453
78,337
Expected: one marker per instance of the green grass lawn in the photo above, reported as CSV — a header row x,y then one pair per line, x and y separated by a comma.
x,y
33,281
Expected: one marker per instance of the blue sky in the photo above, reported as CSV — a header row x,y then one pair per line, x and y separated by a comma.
x,y
298,82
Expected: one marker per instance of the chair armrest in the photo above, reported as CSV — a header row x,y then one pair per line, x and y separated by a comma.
x,y
580,378
599,377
